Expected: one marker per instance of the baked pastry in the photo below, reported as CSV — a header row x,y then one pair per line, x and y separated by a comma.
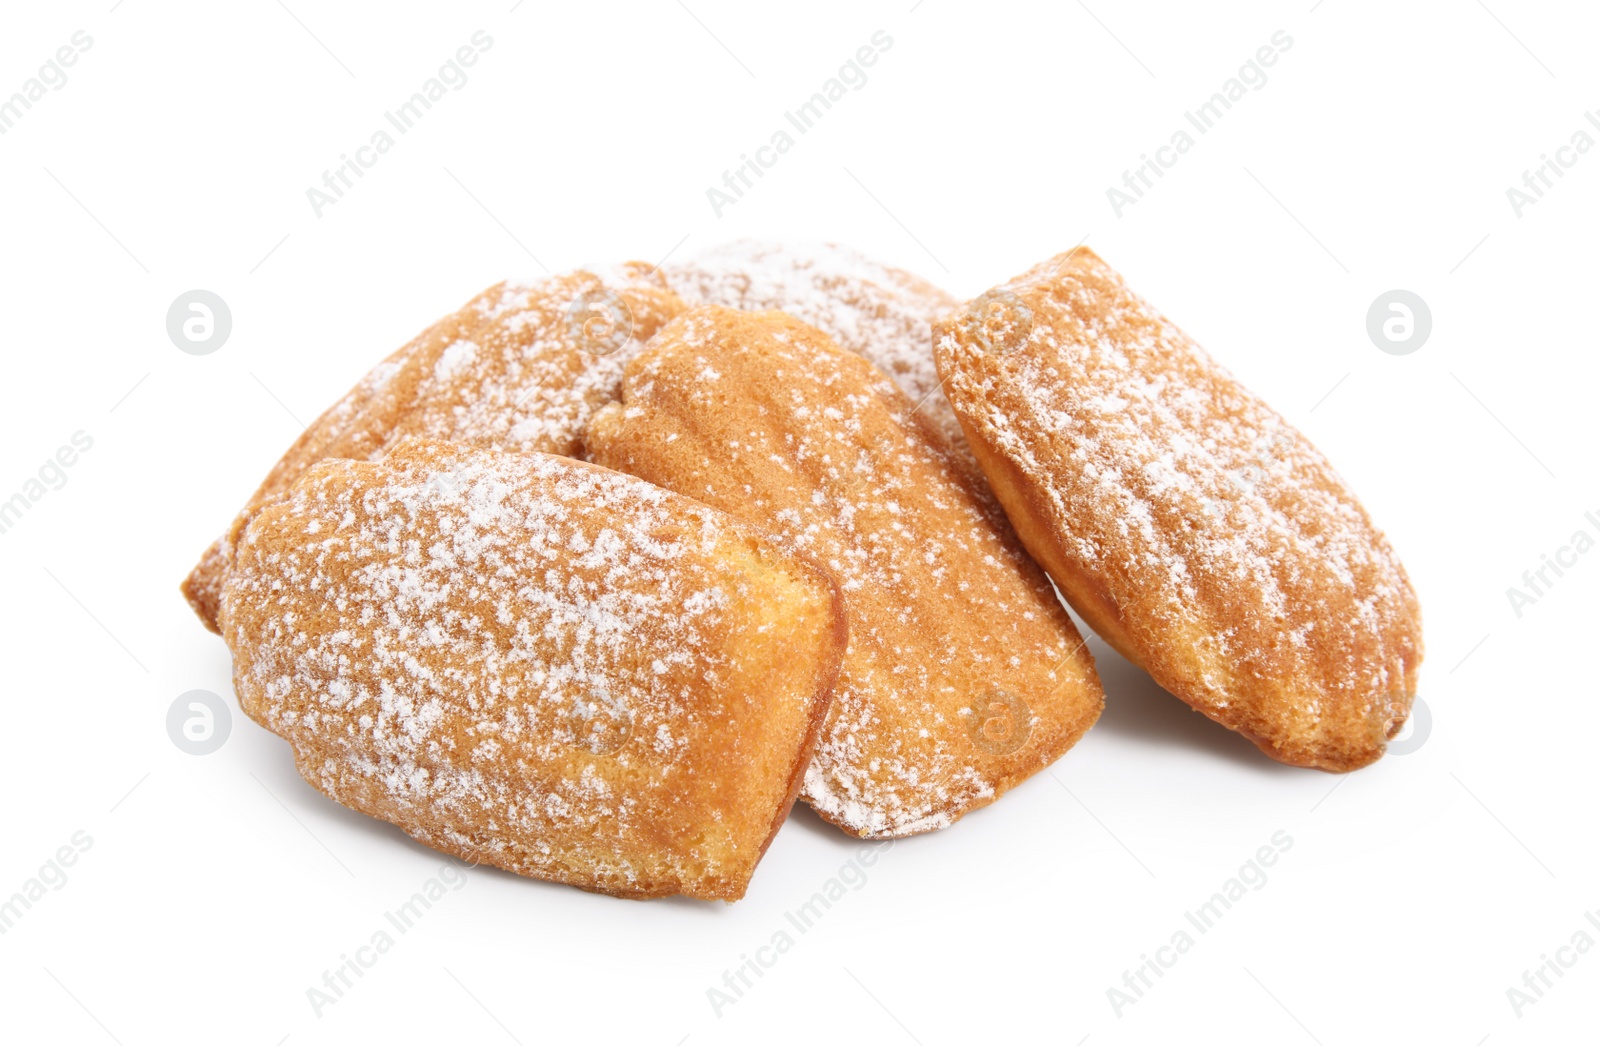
x,y
535,663
964,674
1185,520
520,367
876,311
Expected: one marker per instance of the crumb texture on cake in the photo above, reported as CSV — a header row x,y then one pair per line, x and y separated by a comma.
x,y
536,663
1188,522
964,674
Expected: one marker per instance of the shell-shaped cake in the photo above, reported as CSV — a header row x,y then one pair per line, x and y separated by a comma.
x,y
520,367
964,674
874,310
1187,522
536,663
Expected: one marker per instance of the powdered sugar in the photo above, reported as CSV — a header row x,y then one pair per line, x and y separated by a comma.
x,y
872,310
1188,499
762,417
455,638
514,369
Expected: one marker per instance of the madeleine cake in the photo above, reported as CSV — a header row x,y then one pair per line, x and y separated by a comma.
x,y
1185,520
873,310
964,675
536,663
521,367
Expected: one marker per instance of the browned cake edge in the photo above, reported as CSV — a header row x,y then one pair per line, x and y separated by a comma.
x,y
822,701
435,834
1034,524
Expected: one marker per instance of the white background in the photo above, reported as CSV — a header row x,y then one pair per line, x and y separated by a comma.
x,y
218,889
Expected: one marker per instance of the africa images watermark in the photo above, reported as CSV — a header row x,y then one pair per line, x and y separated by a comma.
x,y
450,878
452,76
852,76
52,875
852,876
52,75
1252,76
1538,581
1252,876
1545,976
1541,179
52,475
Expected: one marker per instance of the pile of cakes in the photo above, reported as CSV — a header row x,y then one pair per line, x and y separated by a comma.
x,y
598,574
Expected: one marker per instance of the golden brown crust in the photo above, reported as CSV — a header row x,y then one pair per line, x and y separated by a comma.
x,y
878,312
536,663
1189,524
964,674
519,368
203,587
